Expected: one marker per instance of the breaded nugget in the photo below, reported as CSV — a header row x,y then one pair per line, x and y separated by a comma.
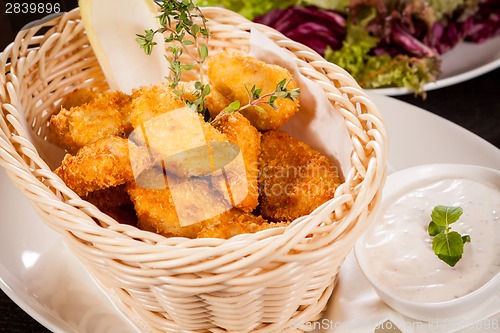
x,y
102,164
155,208
179,139
115,202
152,101
239,131
176,135
215,102
231,223
230,72
107,114
174,207
161,202
294,179
78,97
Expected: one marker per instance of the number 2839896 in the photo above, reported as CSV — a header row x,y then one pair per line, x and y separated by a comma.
x,y
32,8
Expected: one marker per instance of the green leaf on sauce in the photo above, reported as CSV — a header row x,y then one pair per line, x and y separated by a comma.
x,y
435,229
445,215
449,247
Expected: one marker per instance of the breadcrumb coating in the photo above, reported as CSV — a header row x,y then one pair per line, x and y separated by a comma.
x,y
107,114
294,179
232,73
152,101
160,210
239,131
110,161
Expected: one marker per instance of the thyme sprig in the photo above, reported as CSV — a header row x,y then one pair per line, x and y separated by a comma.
x,y
256,100
177,21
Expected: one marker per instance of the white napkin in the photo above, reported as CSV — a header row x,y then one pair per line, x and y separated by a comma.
x,y
317,123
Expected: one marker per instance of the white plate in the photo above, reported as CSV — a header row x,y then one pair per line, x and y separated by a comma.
x,y
464,62
40,274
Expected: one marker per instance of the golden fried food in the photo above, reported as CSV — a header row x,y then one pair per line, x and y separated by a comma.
x,y
107,114
110,161
180,142
180,176
231,223
151,102
177,137
78,97
215,102
230,72
162,202
239,131
172,206
294,179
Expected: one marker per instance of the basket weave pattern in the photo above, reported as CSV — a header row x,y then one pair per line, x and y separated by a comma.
x,y
262,282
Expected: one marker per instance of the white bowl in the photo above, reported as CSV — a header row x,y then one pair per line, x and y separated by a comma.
x,y
442,310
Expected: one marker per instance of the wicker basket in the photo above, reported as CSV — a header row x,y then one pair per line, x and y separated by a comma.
x,y
270,281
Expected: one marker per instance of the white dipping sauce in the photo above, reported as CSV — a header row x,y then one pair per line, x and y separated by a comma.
x,y
399,249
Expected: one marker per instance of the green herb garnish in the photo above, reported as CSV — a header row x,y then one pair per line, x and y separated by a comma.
x,y
255,99
177,20
448,245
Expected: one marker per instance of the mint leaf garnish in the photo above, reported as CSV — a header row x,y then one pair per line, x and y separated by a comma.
x,y
466,239
435,229
447,245
445,215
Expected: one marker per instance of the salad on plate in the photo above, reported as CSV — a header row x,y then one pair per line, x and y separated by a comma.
x,y
381,43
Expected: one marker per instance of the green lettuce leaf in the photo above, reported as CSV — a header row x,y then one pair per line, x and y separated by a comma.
x,y
380,71
338,5
443,8
249,8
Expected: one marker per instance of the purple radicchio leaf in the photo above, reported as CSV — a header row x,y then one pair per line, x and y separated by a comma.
x,y
401,42
485,23
314,27
445,37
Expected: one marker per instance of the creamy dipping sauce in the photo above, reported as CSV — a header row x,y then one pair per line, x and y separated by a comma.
x,y
399,251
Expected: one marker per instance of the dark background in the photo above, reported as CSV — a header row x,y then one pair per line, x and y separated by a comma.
x,y
474,104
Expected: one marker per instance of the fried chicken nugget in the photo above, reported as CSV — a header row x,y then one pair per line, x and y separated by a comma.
x,y
160,203
177,137
110,161
105,115
180,141
232,73
152,101
231,223
294,179
239,131
215,102
172,206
